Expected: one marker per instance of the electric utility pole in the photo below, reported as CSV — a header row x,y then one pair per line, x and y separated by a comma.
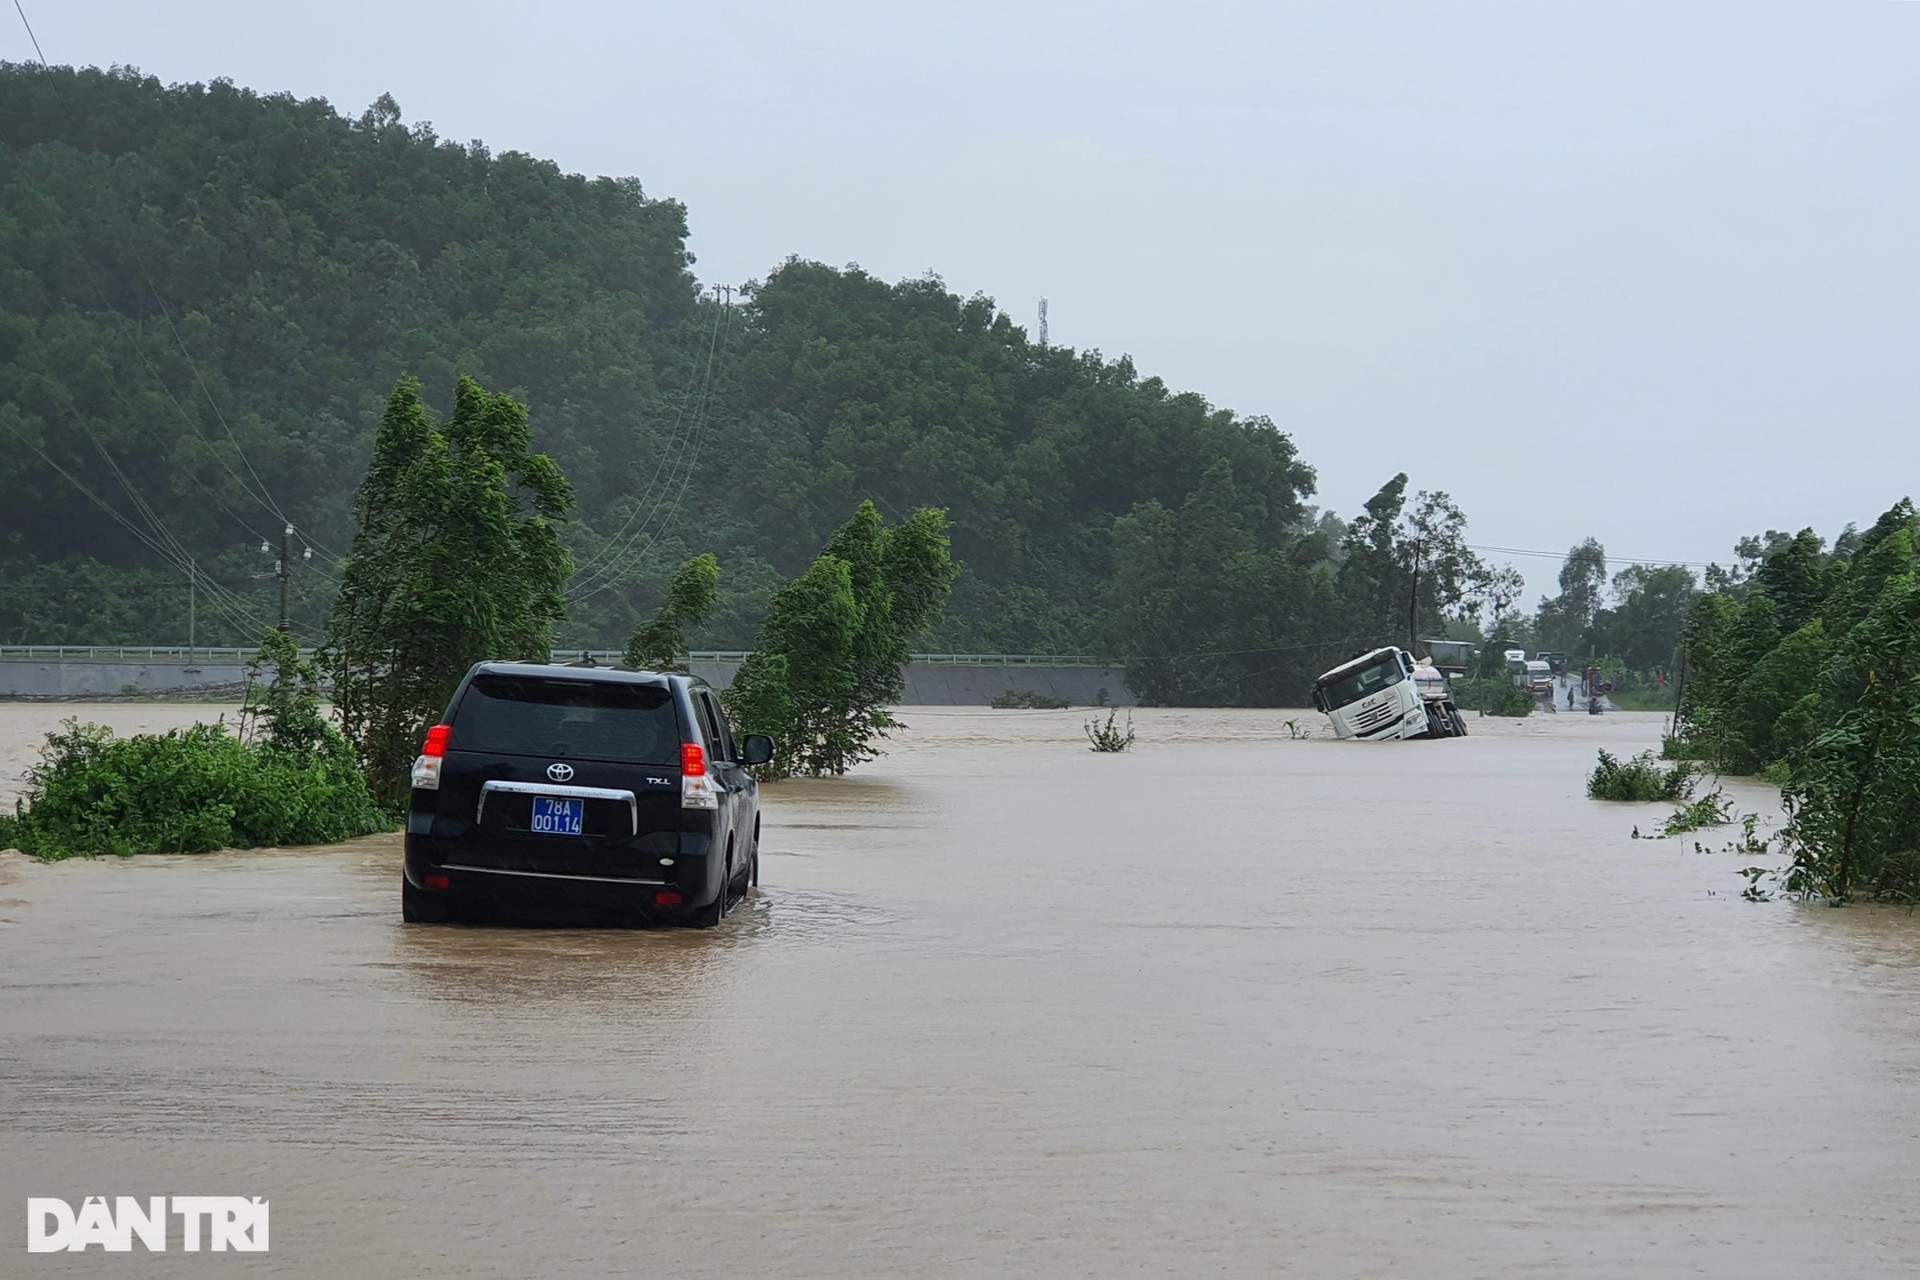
x,y
283,570
1043,322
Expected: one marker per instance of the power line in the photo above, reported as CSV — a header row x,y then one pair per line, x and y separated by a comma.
x,y
29,26
1655,562
612,573
645,505
208,489
179,555
693,459
265,497
236,612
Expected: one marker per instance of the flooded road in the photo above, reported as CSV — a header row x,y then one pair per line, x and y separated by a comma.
x,y
1229,1004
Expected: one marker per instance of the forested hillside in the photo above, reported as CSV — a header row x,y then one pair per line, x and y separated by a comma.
x,y
206,294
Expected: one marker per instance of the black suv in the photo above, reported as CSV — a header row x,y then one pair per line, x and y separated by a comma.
x,y
551,789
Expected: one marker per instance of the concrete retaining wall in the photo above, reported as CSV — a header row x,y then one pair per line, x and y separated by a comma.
x,y
928,683
81,678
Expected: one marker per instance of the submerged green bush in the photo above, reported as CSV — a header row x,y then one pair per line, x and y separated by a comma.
x,y
288,777
1027,700
1641,778
1711,810
1106,738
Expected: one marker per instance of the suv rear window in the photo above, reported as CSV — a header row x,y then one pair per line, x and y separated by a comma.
x,y
517,715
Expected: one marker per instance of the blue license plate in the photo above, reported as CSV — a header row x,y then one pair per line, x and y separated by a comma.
x,y
554,817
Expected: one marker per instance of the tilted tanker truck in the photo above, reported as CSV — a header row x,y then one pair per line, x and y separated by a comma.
x,y
1386,694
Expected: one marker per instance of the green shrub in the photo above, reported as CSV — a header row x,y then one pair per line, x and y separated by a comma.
x,y
1710,810
1675,748
1641,778
1108,739
287,778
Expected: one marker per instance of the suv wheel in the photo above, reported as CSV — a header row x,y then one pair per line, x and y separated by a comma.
x,y
417,906
714,912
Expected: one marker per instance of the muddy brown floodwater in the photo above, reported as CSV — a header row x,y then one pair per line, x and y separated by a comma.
x,y
1229,1004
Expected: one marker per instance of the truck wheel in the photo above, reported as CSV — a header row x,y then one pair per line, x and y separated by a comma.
x,y
753,862
418,907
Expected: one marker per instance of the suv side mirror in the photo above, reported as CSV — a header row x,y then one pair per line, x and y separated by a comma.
x,y
756,748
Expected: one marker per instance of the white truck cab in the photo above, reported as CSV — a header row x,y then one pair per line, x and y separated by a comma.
x,y
1385,694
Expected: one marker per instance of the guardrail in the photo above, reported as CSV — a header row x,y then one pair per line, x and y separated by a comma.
x,y
125,653
239,656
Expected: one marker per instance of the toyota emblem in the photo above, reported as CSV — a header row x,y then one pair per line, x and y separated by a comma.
x,y
559,772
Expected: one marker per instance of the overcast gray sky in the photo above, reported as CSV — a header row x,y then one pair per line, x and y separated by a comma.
x,y
1641,271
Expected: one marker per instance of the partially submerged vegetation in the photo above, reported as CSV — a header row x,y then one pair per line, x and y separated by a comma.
x,y
1108,738
456,559
1642,778
1807,672
829,658
1028,700
1711,810
286,777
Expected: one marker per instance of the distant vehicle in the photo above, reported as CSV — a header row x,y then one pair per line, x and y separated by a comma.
x,y
1450,655
574,790
1557,661
1539,677
1516,660
1385,694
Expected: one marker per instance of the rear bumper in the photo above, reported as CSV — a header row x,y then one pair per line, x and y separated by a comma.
x,y
693,877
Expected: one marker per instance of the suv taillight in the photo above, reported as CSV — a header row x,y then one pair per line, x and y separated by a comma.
x,y
426,769
696,788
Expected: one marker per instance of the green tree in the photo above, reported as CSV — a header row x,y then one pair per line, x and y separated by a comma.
x,y
829,659
1774,687
1204,615
1855,796
1408,570
660,642
1793,577
1566,621
456,559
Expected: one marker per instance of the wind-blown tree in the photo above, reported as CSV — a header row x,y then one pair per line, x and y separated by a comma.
x,y
1204,615
1855,792
455,560
1566,621
1405,571
660,642
828,661
1763,653
1643,627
